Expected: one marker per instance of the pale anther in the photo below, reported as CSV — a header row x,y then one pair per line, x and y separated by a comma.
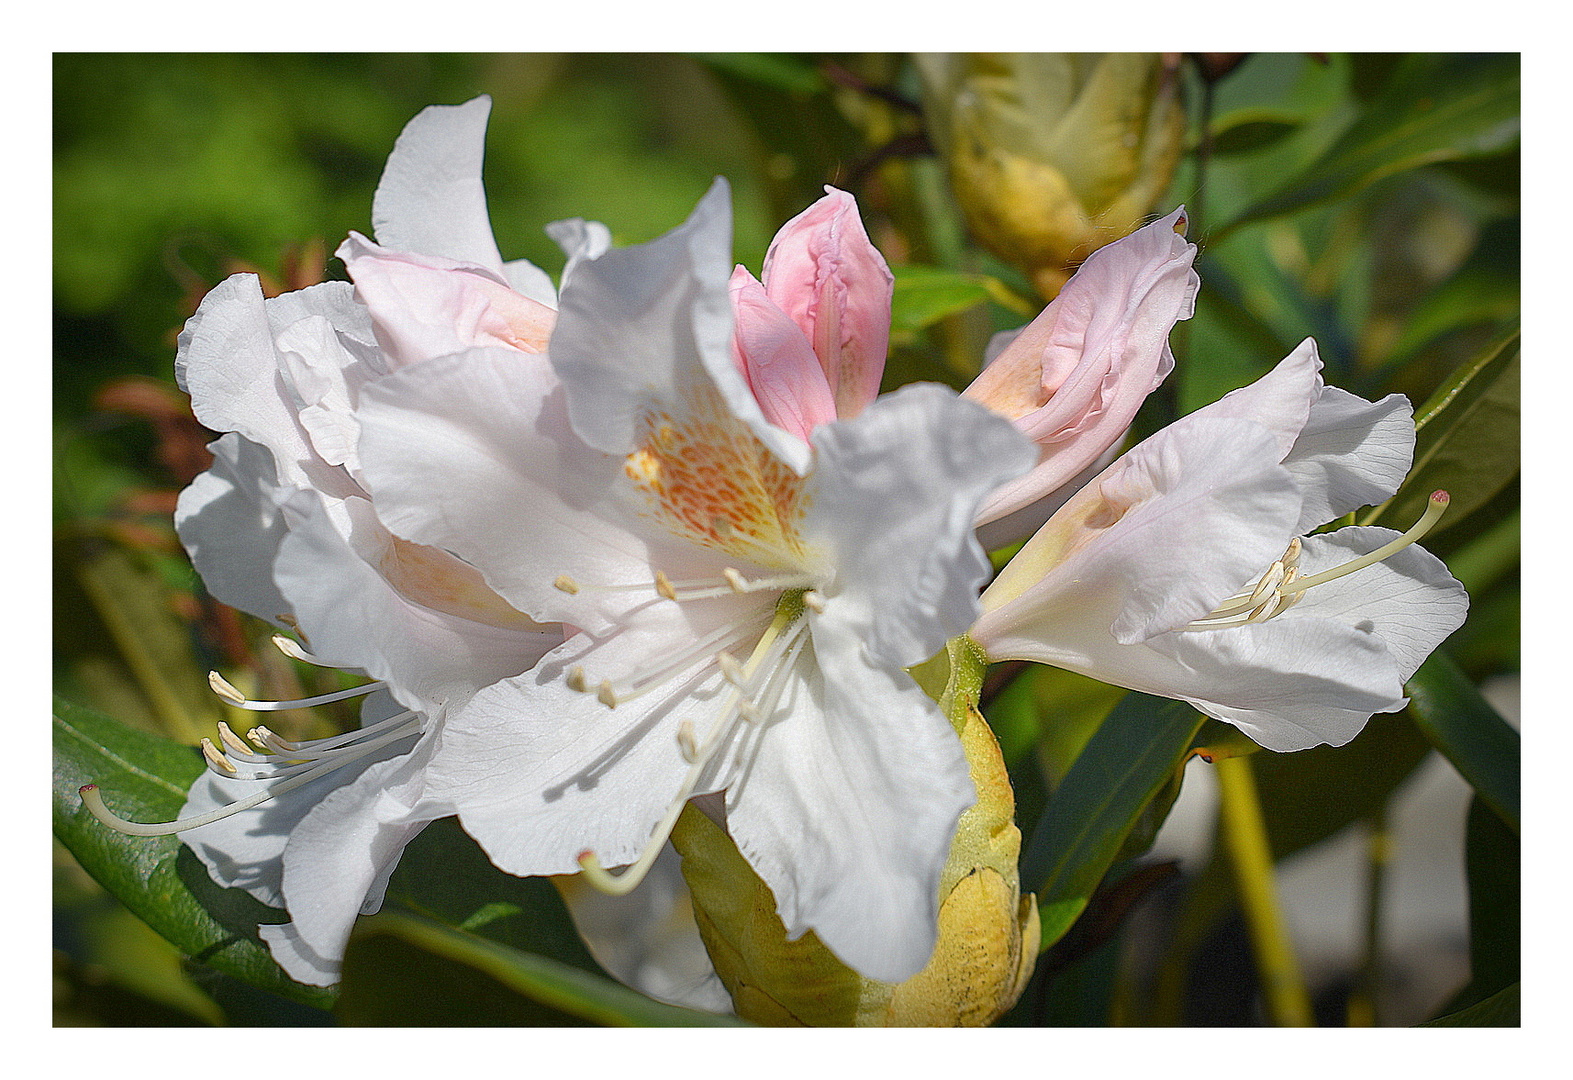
x,y
216,759
686,741
295,651
576,680
814,601
231,740
735,579
731,670
606,695
225,689
663,585
566,584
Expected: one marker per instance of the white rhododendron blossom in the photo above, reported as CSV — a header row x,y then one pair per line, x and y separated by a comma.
x,y
747,597
1184,569
283,526
1074,377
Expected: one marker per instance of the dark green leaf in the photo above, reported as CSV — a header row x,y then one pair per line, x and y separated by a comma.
x,y
1460,723
446,877
1501,1009
1311,794
405,970
145,777
1248,130
1435,108
1492,866
1123,766
1466,441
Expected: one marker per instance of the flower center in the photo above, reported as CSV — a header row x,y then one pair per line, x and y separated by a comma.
x,y
1282,587
708,478
277,765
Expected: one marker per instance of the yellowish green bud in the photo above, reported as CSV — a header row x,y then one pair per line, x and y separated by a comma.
x,y
1053,155
988,931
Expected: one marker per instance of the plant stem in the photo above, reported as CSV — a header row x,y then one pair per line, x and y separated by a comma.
x,y
1245,834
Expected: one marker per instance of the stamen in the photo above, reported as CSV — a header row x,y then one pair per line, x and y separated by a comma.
x,y
612,694
814,601
296,651
567,584
231,740
686,741
767,653
226,690
663,585
1282,587
216,759
93,799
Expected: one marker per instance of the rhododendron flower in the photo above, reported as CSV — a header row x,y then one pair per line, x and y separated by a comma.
x,y
1184,570
1073,379
283,526
748,597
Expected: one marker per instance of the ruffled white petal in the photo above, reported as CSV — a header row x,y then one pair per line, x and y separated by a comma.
x,y
473,454
890,506
416,617
645,332
229,520
1410,599
430,199
540,773
340,856
1351,453
1176,525
848,806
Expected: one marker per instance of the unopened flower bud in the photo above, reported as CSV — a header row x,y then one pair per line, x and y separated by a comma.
x,y
988,931
1053,155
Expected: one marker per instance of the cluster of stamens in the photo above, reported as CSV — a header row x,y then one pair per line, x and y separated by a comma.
x,y
753,687
282,765
1282,587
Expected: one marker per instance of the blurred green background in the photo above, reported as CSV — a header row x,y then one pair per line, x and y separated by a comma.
x,y
1368,200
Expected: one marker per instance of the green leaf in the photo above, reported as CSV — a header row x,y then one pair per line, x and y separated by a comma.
x,y
445,876
1492,866
1245,130
926,294
1466,441
145,777
1501,1009
406,970
1128,761
1435,108
1460,723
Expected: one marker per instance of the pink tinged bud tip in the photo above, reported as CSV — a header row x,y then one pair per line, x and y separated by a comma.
x,y
1440,496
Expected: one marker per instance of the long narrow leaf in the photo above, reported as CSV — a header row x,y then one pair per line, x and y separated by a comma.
x,y
1123,766
1460,723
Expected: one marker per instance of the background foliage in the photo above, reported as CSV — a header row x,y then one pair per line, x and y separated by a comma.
x,y
1370,201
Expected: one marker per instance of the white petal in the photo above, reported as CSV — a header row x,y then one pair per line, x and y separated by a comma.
x,y
431,200
229,520
580,240
416,617
1351,453
1161,538
540,773
245,850
891,503
1409,599
648,939
339,858
473,454
849,806
645,332
1281,400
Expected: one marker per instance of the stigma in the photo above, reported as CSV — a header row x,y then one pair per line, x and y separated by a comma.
x,y
1282,587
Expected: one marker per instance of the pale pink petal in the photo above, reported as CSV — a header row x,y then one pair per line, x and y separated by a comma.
x,y
1074,378
423,306
778,361
824,273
